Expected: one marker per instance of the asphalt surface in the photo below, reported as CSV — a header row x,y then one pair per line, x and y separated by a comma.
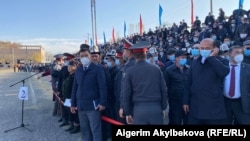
x,y
39,123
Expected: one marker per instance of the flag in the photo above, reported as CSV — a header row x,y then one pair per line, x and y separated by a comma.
x,y
113,35
241,3
160,13
104,38
125,29
91,42
140,25
192,12
96,40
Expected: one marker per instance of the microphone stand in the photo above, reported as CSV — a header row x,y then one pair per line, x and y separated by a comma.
x,y
22,124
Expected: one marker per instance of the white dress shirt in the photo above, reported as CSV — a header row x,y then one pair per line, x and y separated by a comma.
x,y
237,93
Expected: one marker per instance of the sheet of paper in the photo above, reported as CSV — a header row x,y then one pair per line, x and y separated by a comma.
x,y
67,103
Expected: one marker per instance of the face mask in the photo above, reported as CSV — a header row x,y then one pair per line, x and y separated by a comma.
x,y
85,60
247,52
227,43
172,57
195,39
220,27
243,35
105,61
66,63
205,53
117,62
124,58
183,62
227,57
238,58
161,53
195,52
148,60
233,25
109,64
214,37
156,58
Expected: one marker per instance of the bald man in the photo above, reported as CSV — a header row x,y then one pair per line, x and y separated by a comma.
x,y
203,97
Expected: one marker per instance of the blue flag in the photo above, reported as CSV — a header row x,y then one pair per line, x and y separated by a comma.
x,y
241,3
104,38
125,29
91,42
160,13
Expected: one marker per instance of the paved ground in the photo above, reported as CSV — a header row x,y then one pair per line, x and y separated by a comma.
x,y
37,110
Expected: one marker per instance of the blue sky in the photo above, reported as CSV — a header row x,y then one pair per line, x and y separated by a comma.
x,y
62,25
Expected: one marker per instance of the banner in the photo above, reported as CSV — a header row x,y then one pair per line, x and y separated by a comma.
x,y
160,13
125,29
241,3
192,12
113,35
104,38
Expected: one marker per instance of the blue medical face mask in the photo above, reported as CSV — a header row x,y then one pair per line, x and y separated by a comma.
x,y
182,62
117,62
156,58
109,64
247,52
172,57
195,52
227,57
148,60
205,53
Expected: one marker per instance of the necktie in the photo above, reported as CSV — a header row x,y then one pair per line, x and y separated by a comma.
x,y
232,82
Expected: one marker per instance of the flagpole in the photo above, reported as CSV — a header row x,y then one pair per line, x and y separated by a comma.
x,y
95,23
211,6
92,21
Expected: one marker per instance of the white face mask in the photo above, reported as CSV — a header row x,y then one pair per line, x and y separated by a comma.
x,y
238,58
243,35
85,60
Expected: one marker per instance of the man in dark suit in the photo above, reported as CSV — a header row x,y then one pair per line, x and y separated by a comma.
x,y
89,96
203,97
145,89
237,88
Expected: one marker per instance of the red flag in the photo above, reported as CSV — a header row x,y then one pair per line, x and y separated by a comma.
x,y
192,12
140,25
96,40
113,35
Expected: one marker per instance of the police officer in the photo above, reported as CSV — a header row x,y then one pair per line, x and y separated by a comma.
x,y
130,61
62,75
146,93
117,83
54,71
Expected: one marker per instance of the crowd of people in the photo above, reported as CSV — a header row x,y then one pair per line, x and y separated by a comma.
x,y
202,74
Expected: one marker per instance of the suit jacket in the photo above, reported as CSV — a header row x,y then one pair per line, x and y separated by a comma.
x,y
89,85
245,87
144,83
204,88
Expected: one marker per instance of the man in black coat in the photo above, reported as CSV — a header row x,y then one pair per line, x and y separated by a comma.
x,y
203,97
